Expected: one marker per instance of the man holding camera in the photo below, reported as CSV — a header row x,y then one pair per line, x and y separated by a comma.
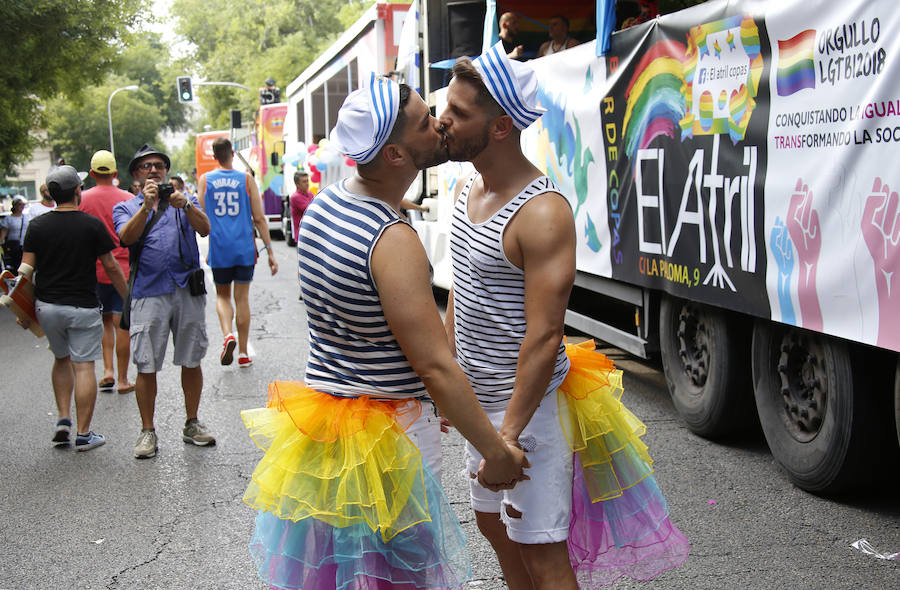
x,y
168,292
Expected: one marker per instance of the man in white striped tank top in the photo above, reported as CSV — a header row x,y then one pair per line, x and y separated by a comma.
x,y
513,244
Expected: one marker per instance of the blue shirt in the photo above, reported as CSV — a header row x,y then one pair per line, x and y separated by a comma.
x,y
227,201
161,266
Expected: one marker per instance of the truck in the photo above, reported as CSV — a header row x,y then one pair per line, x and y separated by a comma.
x,y
728,168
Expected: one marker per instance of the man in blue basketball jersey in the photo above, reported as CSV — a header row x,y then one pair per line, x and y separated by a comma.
x,y
231,201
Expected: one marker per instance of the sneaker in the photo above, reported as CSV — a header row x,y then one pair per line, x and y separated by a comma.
x,y
244,361
86,442
61,433
196,433
228,350
145,447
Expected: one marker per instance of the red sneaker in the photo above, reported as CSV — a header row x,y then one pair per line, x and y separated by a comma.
x,y
244,361
228,350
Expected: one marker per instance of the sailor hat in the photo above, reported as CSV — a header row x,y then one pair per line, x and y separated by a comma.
x,y
366,119
513,84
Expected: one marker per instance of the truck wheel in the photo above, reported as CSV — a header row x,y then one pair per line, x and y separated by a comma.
x,y
813,417
704,360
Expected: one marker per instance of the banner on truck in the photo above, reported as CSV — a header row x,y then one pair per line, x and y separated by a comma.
x,y
740,154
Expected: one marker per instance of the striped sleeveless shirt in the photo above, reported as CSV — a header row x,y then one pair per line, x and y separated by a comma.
x,y
489,299
351,350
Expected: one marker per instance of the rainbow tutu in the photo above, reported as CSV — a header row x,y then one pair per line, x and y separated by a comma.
x,y
620,520
344,498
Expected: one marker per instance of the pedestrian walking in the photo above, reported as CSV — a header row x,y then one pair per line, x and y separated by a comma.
x,y
61,249
99,202
231,202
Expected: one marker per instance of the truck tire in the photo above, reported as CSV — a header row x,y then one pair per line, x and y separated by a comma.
x,y
704,356
815,418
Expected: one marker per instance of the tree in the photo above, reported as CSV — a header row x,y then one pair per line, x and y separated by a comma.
x,y
53,46
251,41
77,125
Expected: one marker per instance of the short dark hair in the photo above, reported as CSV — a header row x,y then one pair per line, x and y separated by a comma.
x,y
299,174
178,178
221,148
397,131
400,123
464,69
563,18
61,195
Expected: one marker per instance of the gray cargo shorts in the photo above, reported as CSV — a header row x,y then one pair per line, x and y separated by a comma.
x,y
152,318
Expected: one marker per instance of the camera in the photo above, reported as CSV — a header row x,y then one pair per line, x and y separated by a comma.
x,y
165,191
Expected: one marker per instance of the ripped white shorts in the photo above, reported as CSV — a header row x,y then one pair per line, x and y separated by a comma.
x,y
545,500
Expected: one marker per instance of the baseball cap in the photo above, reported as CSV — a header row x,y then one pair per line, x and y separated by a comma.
x,y
144,151
103,162
62,179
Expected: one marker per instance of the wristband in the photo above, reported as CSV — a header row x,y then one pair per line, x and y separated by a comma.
x,y
266,247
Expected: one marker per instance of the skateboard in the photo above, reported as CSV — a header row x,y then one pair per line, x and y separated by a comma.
x,y
19,298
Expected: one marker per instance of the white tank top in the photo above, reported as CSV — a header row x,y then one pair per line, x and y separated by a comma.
x,y
489,300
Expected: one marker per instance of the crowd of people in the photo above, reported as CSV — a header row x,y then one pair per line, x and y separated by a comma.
x,y
82,247
348,491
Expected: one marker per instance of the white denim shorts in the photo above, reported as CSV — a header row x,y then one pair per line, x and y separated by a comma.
x,y
425,433
545,500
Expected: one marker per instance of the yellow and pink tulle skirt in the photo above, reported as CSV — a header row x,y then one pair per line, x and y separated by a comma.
x,y
620,520
344,498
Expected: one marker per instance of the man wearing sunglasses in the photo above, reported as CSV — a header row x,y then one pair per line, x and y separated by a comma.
x,y
159,226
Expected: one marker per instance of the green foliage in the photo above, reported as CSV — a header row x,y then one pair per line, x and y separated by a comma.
x,y
53,46
77,123
247,41
79,127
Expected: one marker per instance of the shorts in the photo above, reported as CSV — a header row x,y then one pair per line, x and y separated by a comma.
x,y
545,500
233,274
74,332
425,433
152,318
110,300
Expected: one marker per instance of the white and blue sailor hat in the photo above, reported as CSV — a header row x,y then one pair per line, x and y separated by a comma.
x,y
512,83
366,119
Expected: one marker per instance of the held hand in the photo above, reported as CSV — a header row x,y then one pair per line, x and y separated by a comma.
x,y
446,425
273,264
25,323
178,200
516,53
151,194
505,474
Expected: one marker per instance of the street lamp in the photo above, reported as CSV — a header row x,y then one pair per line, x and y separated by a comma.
x,y
112,148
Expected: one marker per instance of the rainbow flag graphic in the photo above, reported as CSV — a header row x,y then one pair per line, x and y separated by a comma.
x,y
796,66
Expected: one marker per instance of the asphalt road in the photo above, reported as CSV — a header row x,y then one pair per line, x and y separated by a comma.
x,y
102,519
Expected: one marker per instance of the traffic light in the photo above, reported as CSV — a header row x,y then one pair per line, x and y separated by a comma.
x,y
185,91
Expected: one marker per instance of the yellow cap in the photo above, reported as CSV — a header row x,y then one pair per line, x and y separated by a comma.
x,y
103,162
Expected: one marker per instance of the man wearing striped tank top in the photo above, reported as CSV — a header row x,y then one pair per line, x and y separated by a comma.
x,y
513,249
348,492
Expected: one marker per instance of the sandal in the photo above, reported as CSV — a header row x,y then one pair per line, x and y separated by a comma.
x,y
127,389
106,385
